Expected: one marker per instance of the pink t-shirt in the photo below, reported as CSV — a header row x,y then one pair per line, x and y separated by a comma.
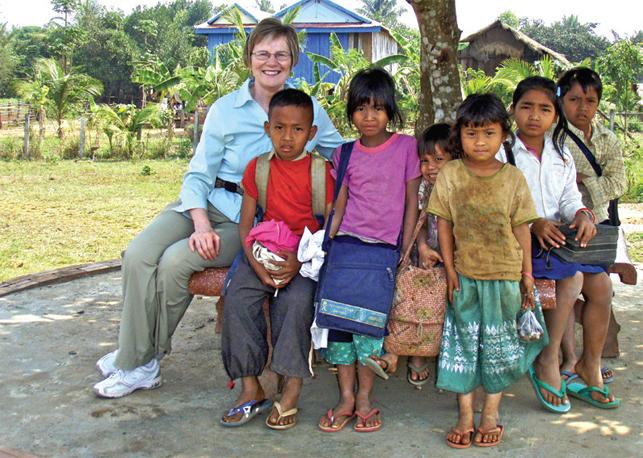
x,y
376,179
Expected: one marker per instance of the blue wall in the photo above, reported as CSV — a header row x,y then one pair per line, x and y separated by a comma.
x,y
318,43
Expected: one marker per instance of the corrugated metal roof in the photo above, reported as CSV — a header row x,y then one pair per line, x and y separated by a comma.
x,y
314,16
249,16
324,12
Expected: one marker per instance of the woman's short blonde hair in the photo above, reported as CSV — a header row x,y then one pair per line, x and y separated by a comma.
x,y
272,28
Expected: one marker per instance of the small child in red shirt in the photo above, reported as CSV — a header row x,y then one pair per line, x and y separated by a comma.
x,y
289,198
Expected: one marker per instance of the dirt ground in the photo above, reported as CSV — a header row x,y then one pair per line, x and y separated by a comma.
x,y
50,338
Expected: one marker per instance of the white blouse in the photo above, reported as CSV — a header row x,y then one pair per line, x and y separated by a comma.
x,y
552,180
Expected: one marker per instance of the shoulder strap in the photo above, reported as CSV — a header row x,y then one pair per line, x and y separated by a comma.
x,y
318,181
344,157
418,226
588,154
262,172
510,156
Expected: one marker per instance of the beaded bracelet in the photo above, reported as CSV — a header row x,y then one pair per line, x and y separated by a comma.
x,y
588,212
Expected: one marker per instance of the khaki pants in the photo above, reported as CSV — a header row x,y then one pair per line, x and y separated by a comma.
x,y
157,266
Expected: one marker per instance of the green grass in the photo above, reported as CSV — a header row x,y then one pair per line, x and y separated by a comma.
x,y
54,214
635,246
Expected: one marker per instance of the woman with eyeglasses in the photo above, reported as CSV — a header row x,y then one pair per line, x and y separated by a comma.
x,y
200,230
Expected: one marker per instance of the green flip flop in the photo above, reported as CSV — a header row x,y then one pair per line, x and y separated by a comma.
x,y
538,384
583,392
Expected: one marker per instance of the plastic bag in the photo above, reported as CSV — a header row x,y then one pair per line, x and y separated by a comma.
x,y
529,329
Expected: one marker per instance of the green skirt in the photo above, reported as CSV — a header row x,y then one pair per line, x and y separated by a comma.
x,y
480,343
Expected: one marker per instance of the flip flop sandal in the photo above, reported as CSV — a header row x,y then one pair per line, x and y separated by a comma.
x,y
374,365
249,410
364,418
412,368
604,373
569,375
584,392
462,434
490,431
288,413
330,416
538,384
607,378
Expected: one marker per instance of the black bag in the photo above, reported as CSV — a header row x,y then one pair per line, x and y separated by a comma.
x,y
612,209
601,250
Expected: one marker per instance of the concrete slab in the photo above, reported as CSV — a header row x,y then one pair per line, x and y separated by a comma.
x,y
50,338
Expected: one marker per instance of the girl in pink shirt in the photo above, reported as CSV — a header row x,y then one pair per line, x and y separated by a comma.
x,y
377,202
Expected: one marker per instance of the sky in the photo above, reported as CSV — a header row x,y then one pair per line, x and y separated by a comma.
x,y
621,15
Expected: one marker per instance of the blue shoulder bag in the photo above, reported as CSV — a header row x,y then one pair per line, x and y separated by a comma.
x,y
357,280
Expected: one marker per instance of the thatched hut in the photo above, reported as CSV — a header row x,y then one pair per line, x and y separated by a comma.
x,y
488,47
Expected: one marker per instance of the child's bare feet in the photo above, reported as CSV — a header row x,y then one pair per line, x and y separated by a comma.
x,y
337,417
251,390
489,432
418,370
461,434
369,419
288,402
391,359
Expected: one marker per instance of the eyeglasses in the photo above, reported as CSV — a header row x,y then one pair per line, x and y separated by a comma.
x,y
263,56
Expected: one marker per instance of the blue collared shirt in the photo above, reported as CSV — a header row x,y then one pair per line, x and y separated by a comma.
x,y
233,134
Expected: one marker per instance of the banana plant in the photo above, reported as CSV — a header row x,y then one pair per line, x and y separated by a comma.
x,y
125,120
205,85
346,64
154,74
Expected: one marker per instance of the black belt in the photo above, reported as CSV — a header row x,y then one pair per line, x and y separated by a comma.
x,y
228,186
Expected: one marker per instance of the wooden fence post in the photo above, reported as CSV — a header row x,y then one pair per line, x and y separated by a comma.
x,y
81,142
25,142
195,134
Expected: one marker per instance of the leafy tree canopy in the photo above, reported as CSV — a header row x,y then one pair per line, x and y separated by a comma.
x,y
576,40
509,18
385,11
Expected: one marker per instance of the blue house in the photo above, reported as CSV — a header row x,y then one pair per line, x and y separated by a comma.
x,y
319,18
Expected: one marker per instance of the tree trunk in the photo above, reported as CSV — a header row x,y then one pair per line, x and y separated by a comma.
x,y
61,133
440,92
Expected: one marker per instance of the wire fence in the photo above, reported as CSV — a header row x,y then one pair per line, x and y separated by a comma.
x,y
13,113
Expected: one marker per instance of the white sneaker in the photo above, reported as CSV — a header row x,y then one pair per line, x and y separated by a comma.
x,y
105,365
121,383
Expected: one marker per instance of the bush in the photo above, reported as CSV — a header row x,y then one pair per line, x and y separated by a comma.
x,y
155,148
634,171
183,149
71,147
10,148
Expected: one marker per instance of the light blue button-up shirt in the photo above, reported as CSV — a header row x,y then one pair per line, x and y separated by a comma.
x,y
233,134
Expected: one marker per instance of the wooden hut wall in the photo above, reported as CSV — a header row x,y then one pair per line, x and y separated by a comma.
x,y
217,39
383,45
318,43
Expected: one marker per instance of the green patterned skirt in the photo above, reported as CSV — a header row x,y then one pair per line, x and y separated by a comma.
x,y
480,343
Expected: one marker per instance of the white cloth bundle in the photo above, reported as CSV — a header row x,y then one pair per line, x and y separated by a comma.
x,y
310,254
265,257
